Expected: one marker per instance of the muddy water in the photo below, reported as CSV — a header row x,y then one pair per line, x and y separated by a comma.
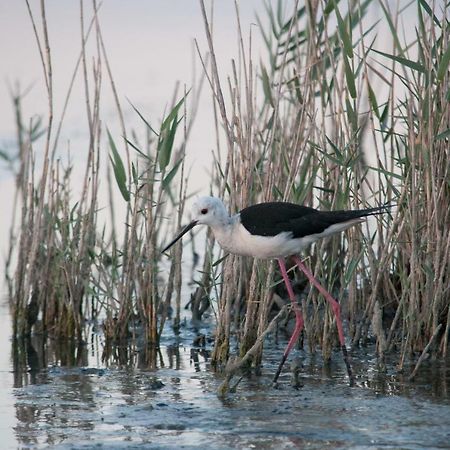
x,y
67,396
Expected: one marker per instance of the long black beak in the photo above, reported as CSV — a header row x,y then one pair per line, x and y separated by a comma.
x,y
182,233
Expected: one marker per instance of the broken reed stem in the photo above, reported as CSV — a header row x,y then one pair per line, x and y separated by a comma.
x,y
424,353
237,363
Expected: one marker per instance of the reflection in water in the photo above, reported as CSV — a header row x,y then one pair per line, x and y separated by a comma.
x,y
71,394
433,380
26,364
33,355
195,354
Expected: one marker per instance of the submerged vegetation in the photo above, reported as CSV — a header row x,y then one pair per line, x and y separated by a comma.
x,y
333,119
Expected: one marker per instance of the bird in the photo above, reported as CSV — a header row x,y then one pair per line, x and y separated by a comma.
x,y
277,230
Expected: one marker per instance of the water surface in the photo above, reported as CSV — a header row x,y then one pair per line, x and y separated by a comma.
x,y
70,396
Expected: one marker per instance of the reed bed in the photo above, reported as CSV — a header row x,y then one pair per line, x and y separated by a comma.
x,y
333,122
329,119
69,265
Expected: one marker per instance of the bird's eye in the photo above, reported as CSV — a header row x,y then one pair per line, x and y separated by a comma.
x,y
204,211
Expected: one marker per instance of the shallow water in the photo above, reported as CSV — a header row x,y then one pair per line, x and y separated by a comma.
x,y
66,397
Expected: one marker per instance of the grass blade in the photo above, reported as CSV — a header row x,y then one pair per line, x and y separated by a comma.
x,y
403,61
169,177
119,169
349,76
266,85
443,65
429,11
165,144
344,35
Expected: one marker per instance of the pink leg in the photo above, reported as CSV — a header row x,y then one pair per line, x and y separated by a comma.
x,y
336,309
298,318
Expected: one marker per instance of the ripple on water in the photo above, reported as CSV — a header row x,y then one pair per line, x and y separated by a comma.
x,y
176,406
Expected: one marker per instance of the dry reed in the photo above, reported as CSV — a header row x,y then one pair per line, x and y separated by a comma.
x,y
72,270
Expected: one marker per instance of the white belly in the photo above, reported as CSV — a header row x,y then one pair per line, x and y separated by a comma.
x,y
240,242
237,240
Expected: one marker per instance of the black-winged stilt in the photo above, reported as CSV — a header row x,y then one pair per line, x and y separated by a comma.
x,y
277,230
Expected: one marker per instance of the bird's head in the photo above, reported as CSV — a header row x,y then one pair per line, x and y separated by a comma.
x,y
209,211
205,211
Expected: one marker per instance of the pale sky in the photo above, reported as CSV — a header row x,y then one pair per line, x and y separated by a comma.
x,y
150,48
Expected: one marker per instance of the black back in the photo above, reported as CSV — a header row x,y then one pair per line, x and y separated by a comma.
x,y
272,218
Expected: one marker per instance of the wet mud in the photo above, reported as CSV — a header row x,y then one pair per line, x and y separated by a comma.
x,y
77,397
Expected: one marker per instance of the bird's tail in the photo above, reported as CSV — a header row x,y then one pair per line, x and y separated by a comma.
x,y
373,211
351,217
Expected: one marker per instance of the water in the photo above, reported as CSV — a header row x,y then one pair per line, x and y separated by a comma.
x,y
7,399
68,397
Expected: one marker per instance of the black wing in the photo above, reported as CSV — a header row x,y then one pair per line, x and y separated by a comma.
x,y
272,218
